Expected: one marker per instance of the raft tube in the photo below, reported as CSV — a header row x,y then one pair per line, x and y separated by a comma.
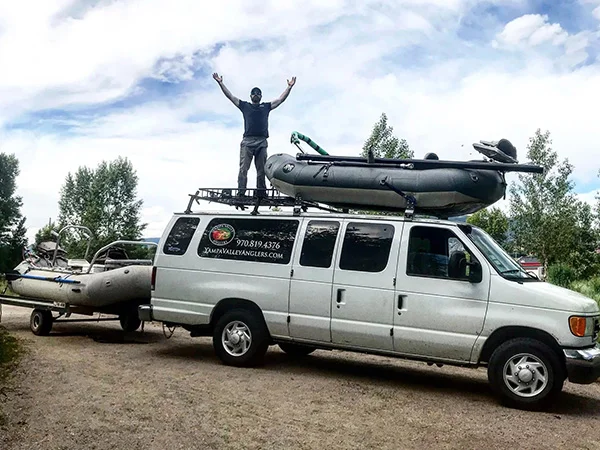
x,y
441,192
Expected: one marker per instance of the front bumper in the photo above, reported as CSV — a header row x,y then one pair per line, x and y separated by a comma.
x,y
583,365
145,313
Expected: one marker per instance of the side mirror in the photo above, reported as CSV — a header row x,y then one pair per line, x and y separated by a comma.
x,y
475,272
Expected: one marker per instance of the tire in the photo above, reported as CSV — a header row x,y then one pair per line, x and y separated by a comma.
x,y
129,321
248,343
40,322
525,373
296,349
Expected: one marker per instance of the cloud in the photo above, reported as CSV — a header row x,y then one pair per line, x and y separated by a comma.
x,y
533,30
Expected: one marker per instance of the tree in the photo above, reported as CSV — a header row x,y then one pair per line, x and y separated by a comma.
x,y
104,200
45,233
583,257
543,207
12,223
384,144
493,221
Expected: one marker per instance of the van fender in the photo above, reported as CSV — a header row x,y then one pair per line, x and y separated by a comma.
x,y
503,334
227,304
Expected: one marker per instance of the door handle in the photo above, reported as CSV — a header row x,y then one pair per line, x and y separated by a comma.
x,y
401,298
340,296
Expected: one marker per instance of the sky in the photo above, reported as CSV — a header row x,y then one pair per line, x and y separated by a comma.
x,y
85,81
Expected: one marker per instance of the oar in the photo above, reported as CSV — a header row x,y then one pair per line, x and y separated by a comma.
x,y
419,164
13,276
297,137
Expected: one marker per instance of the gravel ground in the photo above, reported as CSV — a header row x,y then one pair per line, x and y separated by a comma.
x,y
91,386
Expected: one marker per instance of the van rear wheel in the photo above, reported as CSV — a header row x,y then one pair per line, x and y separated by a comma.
x,y
241,338
525,373
296,349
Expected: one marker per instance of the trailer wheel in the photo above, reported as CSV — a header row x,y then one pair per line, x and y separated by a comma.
x,y
41,322
129,321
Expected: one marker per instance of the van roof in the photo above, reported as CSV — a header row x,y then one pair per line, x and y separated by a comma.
x,y
319,215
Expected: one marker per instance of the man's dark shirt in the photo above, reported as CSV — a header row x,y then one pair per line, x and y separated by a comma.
x,y
256,118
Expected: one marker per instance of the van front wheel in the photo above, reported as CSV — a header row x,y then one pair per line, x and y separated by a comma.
x,y
525,373
241,338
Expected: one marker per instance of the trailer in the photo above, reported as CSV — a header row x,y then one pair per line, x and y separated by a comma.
x,y
45,313
55,287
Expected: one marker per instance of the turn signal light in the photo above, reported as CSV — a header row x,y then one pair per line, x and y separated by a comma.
x,y
577,325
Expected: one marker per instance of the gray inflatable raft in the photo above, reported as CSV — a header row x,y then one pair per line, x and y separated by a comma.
x,y
427,186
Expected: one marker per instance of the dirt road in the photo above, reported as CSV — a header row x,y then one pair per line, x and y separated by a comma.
x,y
90,386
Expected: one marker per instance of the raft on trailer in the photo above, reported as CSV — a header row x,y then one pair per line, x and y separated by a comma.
x,y
110,283
428,186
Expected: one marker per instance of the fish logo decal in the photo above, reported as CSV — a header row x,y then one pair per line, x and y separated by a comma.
x,y
221,234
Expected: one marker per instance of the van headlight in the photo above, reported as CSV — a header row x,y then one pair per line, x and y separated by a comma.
x,y
582,326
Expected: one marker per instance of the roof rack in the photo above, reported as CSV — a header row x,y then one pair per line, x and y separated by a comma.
x,y
254,197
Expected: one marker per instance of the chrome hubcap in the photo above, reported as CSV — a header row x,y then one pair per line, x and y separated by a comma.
x,y
525,375
236,338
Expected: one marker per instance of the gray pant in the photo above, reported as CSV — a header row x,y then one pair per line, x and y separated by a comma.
x,y
252,147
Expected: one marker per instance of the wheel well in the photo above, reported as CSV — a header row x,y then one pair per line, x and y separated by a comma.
x,y
232,303
504,334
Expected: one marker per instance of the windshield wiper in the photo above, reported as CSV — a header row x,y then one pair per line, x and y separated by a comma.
x,y
509,271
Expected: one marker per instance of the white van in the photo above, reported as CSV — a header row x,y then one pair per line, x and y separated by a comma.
x,y
431,290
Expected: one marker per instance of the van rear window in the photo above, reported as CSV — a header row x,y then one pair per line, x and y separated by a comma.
x,y
319,243
366,247
257,240
180,236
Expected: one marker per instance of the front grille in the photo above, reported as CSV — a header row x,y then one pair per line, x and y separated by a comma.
x,y
596,328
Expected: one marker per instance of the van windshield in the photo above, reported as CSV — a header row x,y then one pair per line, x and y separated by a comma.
x,y
504,264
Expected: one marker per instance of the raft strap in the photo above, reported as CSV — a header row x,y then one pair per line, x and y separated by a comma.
x,y
411,201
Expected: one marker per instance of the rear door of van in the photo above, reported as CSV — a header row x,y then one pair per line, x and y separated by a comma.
x,y
311,286
363,284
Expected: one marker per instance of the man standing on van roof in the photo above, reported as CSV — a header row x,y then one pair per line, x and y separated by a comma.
x,y
256,131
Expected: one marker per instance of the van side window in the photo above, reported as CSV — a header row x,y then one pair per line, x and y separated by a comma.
x,y
366,246
180,236
319,242
437,252
241,239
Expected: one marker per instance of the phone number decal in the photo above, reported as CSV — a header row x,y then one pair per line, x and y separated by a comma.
x,y
248,243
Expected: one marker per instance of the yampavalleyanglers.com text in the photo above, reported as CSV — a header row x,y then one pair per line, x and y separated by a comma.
x,y
250,253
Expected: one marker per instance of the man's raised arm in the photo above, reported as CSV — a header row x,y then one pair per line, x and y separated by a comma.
x,y
229,95
280,100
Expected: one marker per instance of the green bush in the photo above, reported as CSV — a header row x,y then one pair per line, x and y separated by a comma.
x,y
585,288
4,289
561,274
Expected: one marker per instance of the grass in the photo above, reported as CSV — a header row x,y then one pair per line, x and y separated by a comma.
x,y
10,353
590,288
